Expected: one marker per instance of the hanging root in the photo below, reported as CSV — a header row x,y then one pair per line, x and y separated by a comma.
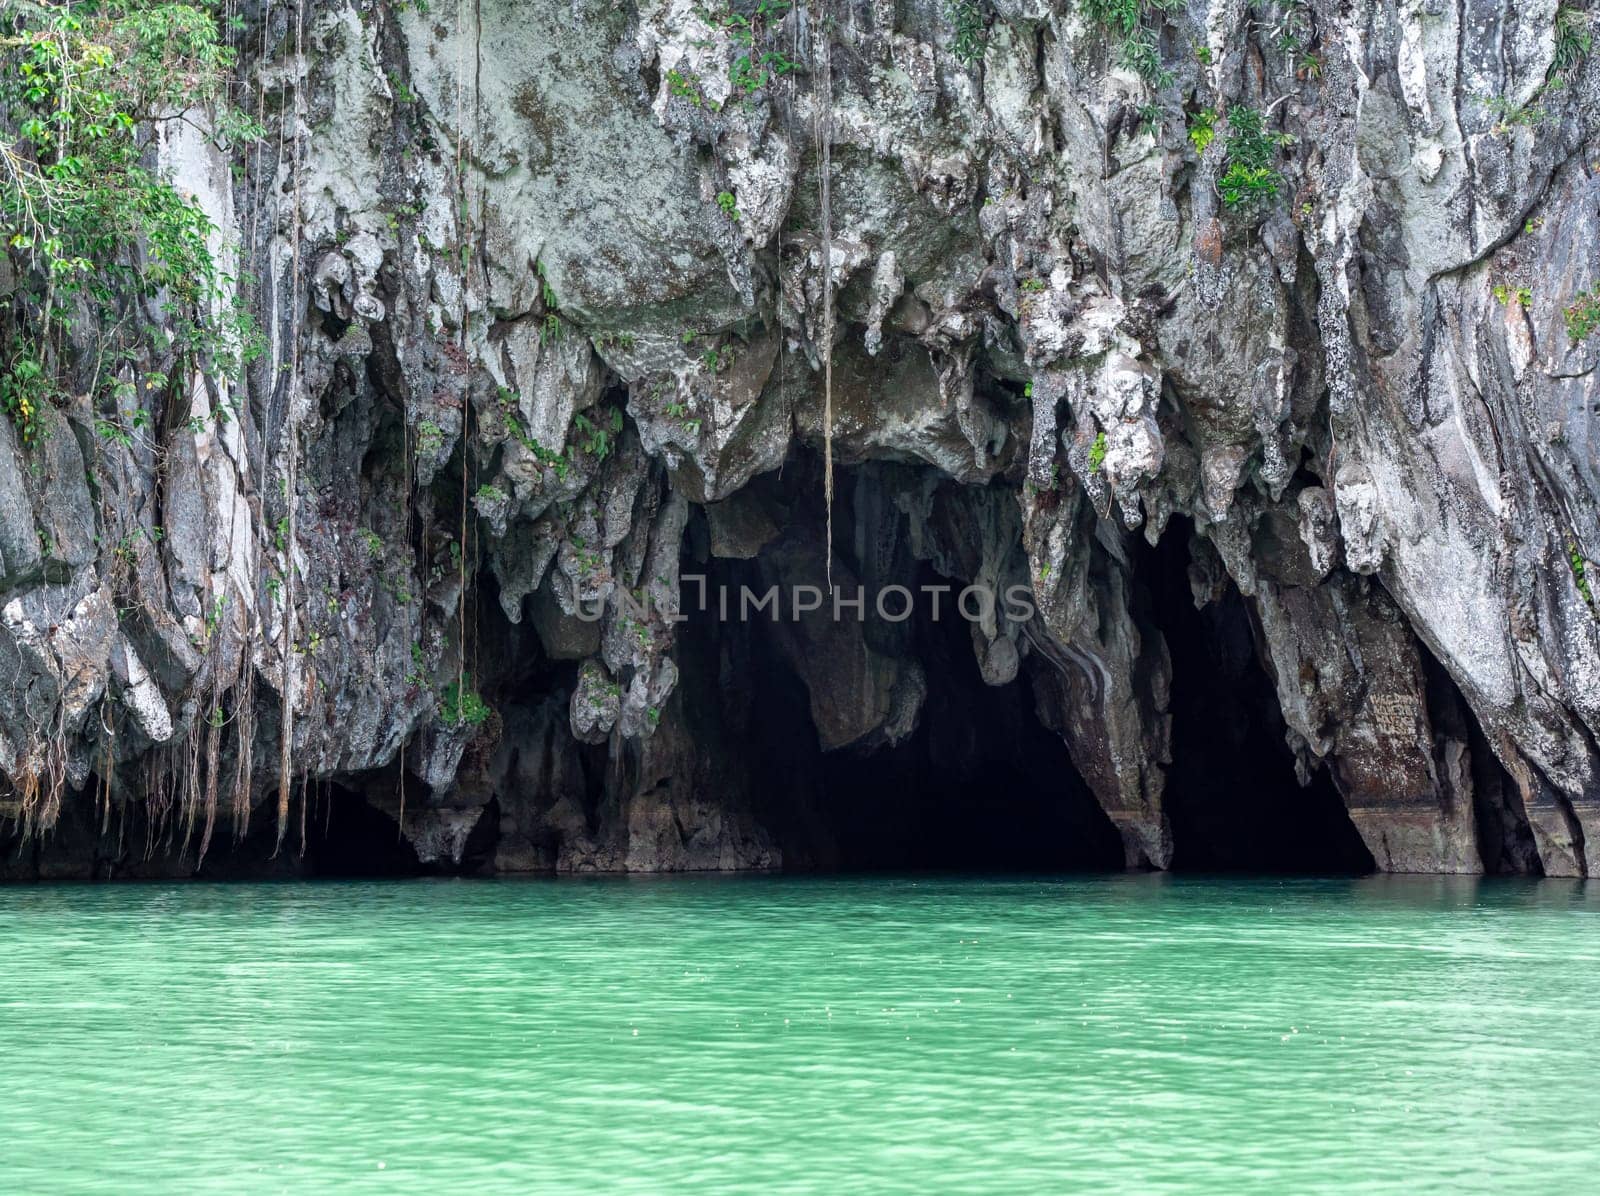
x,y
213,749
190,797
244,719
108,759
286,741
823,55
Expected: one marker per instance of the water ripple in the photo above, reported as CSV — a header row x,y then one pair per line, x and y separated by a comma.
x,y
780,1035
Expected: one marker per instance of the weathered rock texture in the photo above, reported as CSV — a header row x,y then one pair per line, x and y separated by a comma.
x,y
545,298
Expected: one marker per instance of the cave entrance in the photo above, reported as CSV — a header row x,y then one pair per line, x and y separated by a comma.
x,y
1231,794
980,784
346,836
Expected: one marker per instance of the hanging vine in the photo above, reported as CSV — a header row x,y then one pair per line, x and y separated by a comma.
x,y
465,233
118,295
823,120
290,673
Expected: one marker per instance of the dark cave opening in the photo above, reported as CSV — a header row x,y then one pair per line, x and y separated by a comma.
x,y
979,785
1232,795
348,836
1505,840
354,833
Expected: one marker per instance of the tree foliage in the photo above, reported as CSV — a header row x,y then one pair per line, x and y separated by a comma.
x,y
96,238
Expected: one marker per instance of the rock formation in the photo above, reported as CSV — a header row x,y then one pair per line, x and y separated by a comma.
x,y
1240,340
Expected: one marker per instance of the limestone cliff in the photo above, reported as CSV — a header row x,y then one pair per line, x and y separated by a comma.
x,y
1270,299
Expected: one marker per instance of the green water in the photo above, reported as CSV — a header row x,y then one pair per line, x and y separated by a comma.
x,y
1131,1034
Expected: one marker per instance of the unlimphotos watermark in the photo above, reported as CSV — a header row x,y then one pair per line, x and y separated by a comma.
x,y
892,604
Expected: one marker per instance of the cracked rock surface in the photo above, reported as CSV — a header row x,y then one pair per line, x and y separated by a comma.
x,y
548,287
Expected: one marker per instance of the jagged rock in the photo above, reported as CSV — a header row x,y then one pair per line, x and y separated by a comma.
x,y
589,366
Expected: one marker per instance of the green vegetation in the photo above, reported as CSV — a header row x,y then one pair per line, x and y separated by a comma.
x,y
597,436
685,87
430,438
1583,314
560,462
1573,41
1202,129
1505,294
490,494
1134,24
1292,34
761,61
1047,487
112,431
1097,453
23,386
1245,186
1579,571
598,439
219,606
729,205
402,90
552,329
547,294
1250,176
95,234
676,409
460,705
1510,116
751,74
130,548
971,37
718,359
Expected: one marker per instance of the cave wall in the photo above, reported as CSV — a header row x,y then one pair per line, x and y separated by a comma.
x,y
523,357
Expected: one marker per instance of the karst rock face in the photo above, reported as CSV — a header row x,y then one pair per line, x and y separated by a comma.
x,y
547,287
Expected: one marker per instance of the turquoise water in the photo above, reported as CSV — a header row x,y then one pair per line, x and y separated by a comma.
x,y
775,1035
